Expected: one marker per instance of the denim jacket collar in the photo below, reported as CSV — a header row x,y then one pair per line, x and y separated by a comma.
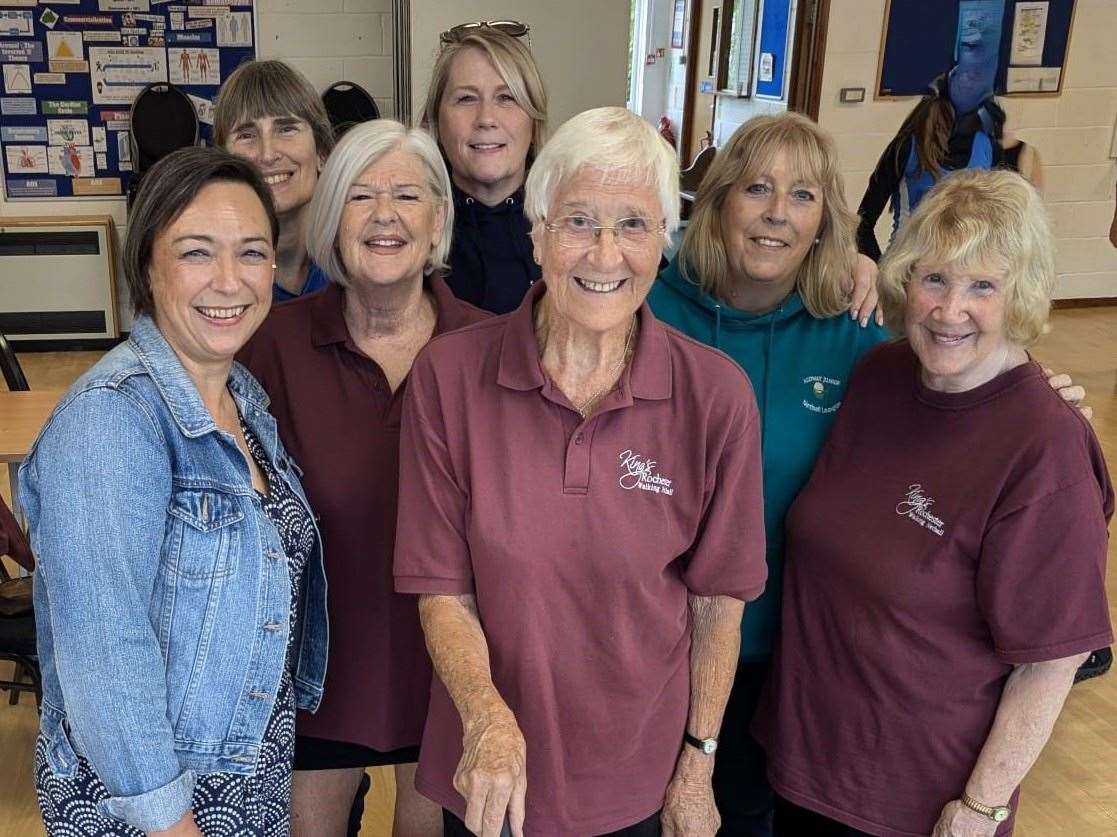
x,y
175,385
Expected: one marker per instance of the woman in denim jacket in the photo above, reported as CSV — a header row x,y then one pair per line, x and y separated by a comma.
x,y
180,595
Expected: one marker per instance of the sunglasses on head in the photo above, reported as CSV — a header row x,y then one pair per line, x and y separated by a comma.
x,y
509,27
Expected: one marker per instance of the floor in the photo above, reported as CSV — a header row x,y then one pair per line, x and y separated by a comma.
x,y
1071,791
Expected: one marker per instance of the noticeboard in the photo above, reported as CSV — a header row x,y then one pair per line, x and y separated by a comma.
x,y
71,69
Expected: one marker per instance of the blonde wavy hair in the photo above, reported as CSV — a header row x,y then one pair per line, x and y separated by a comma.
x,y
749,154
987,221
516,67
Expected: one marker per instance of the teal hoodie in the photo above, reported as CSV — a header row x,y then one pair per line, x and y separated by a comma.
x,y
799,366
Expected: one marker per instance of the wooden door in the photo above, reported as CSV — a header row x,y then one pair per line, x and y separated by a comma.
x,y
698,108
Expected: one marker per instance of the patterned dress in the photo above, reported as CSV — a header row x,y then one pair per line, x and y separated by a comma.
x,y
224,804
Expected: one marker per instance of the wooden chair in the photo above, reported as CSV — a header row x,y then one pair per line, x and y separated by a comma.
x,y
691,177
9,365
17,632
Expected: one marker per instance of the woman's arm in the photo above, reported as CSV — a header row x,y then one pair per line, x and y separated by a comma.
x,y
492,774
98,488
882,184
688,807
1031,702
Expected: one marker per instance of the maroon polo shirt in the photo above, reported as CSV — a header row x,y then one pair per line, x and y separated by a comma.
x,y
340,422
943,539
581,540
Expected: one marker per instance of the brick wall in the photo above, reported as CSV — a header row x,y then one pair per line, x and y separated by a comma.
x,y
1073,132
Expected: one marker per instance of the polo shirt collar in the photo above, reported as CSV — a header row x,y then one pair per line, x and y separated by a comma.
x,y
648,376
327,318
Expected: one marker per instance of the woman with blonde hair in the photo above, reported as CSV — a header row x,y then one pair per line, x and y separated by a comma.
x,y
487,107
761,275
925,655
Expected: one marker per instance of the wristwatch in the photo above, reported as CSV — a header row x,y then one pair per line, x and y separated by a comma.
x,y
997,813
706,745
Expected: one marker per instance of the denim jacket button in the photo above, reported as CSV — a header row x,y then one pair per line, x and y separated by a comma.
x,y
259,695
275,554
273,626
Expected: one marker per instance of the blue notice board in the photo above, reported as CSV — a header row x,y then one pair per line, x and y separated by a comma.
x,y
920,39
71,69
775,23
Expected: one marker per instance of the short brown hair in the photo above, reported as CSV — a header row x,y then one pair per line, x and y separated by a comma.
x,y
993,220
167,189
258,89
748,154
514,64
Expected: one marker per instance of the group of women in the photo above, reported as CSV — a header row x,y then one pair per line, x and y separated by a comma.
x,y
535,533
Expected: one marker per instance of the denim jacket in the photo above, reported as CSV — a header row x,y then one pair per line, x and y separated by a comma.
x,y
162,596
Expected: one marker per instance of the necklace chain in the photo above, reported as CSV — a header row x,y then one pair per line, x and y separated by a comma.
x,y
584,408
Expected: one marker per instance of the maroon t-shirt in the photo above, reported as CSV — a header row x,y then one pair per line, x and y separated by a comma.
x,y
581,540
340,422
942,539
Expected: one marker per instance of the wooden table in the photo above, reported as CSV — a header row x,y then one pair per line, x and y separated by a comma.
x,y
22,415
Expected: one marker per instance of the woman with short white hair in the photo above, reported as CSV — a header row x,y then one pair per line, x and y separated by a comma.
x,y
580,515
335,364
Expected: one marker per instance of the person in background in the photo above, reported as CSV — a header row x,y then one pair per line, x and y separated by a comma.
x,y
925,655
180,599
958,125
487,107
336,367
580,515
268,112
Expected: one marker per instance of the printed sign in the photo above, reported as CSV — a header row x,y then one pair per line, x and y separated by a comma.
x,y
65,52
97,186
17,78
21,51
118,74
194,66
235,29
60,108
23,133
31,188
202,107
49,78
17,24
68,132
71,160
26,159
17,106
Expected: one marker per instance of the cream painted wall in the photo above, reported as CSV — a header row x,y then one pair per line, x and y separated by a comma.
x,y
581,47
1073,132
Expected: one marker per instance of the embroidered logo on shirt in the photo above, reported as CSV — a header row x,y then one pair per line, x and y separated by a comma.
x,y
822,389
641,472
916,505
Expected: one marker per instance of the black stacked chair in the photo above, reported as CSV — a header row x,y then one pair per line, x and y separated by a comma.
x,y
348,104
9,365
163,120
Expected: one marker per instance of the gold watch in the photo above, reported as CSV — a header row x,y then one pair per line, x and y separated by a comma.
x,y
997,813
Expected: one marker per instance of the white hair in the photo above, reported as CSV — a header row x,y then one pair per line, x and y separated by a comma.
x,y
362,146
611,139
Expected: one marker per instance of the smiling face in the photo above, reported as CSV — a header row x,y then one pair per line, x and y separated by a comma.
x,y
211,275
391,221
283,148
483,130
768,225
954,319
598,287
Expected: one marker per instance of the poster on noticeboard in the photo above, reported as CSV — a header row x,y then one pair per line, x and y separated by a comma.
x,y
71,69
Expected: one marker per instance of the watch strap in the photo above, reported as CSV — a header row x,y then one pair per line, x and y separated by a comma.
x,y
997,813
698,743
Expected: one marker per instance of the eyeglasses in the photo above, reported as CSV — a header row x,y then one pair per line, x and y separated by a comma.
x,y
509,27
581,231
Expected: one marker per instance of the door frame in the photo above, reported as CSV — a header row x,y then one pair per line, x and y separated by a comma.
x,y
808,57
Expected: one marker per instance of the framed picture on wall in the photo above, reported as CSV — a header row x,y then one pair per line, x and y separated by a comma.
x,y
678,25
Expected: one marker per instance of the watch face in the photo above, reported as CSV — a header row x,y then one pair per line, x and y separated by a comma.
x,y
1000,814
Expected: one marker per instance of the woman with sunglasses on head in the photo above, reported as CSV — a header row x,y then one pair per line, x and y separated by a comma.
x,y
487,108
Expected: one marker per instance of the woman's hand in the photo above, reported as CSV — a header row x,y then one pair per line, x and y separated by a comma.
x,y
185,827
688,806
956,820
1070,392
492,775
862,287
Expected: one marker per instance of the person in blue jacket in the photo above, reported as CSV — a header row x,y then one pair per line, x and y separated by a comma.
x,y
762,274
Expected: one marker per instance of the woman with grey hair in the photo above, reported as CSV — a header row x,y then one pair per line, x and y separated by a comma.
x,y
336,365
580,516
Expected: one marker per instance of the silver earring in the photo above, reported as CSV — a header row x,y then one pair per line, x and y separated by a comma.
x,y
818,240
